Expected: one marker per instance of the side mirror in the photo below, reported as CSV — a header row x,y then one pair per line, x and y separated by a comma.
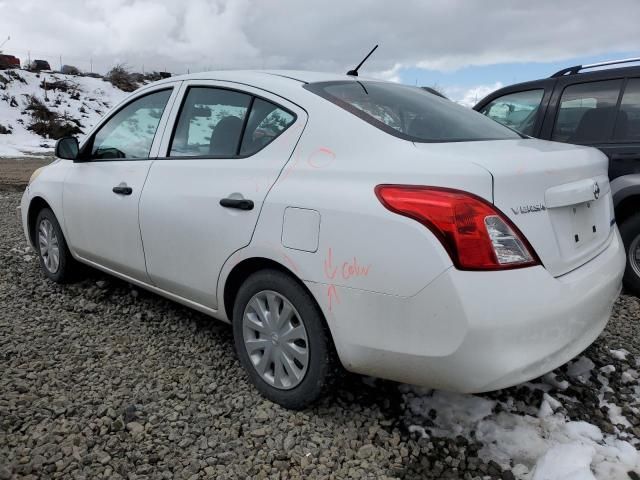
x,y
67,148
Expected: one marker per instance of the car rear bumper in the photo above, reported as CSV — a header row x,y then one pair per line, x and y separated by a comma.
x,y
477,331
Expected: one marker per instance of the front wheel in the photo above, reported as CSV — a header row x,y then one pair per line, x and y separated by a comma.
x,y
630,232
281,339
55,259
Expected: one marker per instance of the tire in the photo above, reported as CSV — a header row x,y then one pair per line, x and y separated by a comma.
x,y
316,375
66,267
630,232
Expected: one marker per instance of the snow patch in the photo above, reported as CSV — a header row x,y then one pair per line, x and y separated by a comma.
x,y
580,368
548,446
620,354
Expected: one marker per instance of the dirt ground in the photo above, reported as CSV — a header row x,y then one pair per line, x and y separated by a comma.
x,y
15,172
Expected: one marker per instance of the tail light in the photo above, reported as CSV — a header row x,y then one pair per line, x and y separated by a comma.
x,y
476,235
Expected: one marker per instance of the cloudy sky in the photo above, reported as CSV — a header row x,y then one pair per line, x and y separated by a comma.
x,y
466,48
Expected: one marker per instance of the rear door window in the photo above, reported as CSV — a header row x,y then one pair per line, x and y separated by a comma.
x,y
628,122
210,123
220,123
587,112
516,110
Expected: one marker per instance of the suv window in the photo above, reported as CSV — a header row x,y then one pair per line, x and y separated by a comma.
x,y
587,112
628,121
129,133
410,113
516,110
266,122
210,123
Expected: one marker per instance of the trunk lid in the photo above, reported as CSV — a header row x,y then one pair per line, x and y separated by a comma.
x,y
558,195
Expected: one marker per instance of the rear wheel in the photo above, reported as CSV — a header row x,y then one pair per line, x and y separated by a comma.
x,y
281,339
55,259
630,232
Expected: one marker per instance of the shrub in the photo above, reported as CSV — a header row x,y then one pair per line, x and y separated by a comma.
x,y
120,78
50,124
13,74
54,129
60,85
69,70
4,130
39,111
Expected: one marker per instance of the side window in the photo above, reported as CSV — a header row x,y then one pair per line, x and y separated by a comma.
x,y
266,122
628,121
129,133
587,112
516,110
210,123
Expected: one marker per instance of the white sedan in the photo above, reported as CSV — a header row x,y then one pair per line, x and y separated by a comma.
x,y
335,220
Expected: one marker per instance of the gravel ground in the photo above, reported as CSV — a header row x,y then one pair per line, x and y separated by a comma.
x,y
101,380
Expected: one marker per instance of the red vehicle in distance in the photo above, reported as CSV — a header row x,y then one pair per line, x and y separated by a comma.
x,y
9,61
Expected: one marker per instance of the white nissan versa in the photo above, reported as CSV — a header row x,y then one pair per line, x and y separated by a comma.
x,y
333,220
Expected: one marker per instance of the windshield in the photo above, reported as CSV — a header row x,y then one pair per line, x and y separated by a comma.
x,y
411,113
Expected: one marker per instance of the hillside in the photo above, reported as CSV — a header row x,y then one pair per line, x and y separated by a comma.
x,y
37,108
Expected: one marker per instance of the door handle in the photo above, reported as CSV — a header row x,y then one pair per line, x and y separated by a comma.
x,y
122,189
239,203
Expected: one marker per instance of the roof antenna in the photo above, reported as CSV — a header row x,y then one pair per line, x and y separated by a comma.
x,y
354,72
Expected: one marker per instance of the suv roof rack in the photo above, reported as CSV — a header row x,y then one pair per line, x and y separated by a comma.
x,y
575,69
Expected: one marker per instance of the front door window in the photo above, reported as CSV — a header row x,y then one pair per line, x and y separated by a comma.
x,y
130,132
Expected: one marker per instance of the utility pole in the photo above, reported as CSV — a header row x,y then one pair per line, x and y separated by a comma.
x,y
91,64
3,43
60,62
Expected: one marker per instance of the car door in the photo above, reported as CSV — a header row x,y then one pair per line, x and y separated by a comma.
x,y
201,202
102,189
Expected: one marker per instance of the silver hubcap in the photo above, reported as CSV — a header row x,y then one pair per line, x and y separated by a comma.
x,y
634,255
275,339
49,247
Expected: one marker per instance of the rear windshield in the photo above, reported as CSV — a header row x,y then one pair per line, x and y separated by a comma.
x,y
411,113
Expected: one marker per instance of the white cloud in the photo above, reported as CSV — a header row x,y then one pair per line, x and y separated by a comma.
x,y
391,75
470,96
332,35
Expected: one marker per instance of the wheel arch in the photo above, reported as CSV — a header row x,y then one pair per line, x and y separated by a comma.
x,y
36,204
628,206
240,272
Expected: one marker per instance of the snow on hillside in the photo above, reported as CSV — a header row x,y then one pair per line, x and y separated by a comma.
x,y
72,102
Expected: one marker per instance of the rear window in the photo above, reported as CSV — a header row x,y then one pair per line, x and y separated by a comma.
x,y
411,113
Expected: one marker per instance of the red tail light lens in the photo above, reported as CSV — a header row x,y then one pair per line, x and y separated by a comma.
x,y
476,235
